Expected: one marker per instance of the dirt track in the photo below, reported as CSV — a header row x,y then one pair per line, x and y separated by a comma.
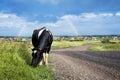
x,y
77,63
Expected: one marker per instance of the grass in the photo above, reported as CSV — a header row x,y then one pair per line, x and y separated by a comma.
x,y
66,44
15,59
96,45
105,47
112,47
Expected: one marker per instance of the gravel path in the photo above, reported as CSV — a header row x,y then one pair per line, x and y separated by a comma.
x,y
77,63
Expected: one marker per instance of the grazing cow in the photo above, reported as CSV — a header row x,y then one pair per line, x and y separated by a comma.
x,y
41,40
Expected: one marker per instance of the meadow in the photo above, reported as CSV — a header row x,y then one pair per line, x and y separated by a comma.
x,y
110,46
96,45
15,58
67,43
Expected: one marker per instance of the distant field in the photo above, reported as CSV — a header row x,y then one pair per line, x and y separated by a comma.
x,y
95,45
104,47
15,59
66,44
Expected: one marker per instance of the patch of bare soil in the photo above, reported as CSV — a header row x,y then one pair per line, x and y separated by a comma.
x,y
77,63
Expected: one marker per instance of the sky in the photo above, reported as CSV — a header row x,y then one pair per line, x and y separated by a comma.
x,y
61,17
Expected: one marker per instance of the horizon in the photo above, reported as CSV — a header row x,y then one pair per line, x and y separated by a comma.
x,y
61,17
60,36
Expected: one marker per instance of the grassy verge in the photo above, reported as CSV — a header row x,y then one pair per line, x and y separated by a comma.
x,y
15,59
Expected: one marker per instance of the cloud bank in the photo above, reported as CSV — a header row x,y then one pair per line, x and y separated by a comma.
x,y
82,24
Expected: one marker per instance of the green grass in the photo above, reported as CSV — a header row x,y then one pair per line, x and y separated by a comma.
x,y
15,59
96,47
112,47
104,47
66,44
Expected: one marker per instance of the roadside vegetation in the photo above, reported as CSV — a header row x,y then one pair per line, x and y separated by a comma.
x,y
105,45
15,59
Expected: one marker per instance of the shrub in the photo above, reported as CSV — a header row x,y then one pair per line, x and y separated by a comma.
x,y
106,40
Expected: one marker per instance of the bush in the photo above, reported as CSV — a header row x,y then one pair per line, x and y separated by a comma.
x,y
106,40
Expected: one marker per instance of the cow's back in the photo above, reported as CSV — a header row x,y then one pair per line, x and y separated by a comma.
x,y
42,38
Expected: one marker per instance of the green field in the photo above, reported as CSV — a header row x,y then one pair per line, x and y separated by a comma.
x,y
15,59
104,47
109,46
95,45
66,44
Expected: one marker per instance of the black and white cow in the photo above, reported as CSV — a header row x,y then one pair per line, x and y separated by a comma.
x,y
41,40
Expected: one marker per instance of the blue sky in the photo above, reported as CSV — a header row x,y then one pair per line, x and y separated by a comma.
x,y
62,17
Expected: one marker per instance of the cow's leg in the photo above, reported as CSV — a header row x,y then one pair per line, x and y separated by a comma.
x,y
41,62
46,59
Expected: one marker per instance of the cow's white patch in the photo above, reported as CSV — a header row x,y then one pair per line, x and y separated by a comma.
x,y
45,58
49,31
34,51
40,32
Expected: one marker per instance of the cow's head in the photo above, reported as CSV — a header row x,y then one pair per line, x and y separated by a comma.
x,y
37,56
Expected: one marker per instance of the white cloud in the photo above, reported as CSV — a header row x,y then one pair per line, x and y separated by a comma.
x,y
89,23
88,15
84,23
14,21
118,14
105,14
69,17
2,16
